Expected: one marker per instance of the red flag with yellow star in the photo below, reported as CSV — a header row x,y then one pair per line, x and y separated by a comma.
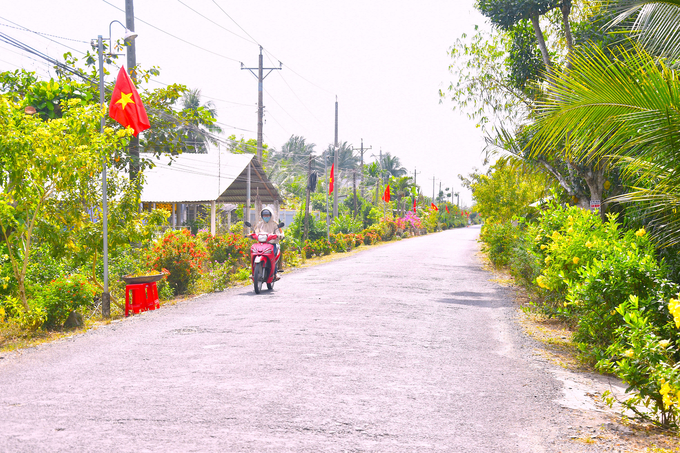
x,y
331,183
386,196
126,106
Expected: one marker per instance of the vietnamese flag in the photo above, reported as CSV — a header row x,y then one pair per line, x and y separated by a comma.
x,y
434,206
126,106
332,180
386,195
414,205
447,210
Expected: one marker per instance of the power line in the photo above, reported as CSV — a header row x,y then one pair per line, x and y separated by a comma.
x,y
176,37
44,35
210,20
26,48
21,27
242,29
301,76
294,93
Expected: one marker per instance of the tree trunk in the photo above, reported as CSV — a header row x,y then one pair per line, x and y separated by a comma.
x,y
541,42
594,177
566,11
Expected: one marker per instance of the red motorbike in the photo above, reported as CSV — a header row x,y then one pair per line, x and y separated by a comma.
x,y
263,260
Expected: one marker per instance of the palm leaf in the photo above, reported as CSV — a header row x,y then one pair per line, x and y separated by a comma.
x,y
655,25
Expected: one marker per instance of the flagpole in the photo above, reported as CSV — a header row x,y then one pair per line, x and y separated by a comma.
x,y
106,296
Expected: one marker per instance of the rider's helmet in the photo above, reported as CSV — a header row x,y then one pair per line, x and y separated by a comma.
x,y
266,214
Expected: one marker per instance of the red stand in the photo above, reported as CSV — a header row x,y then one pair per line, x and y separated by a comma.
x,y
144,297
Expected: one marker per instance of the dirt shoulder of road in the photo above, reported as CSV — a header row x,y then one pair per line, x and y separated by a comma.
x,y
609,427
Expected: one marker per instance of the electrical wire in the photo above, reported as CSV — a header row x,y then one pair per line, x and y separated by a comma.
x,y
300,75
210,20
294,93
21,27
26,48
232,19
176,37
284,110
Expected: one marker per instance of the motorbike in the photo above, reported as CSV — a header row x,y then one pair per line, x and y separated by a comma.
x,y
262,258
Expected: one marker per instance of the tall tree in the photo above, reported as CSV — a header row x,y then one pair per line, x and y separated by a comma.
x,y
201,122
391,165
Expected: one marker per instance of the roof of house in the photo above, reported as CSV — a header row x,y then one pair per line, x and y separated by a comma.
x,y
200,178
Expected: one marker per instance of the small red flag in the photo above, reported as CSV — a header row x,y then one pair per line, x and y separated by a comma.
x,y
332,181
414,205
386,195
126,106
447,210
434,206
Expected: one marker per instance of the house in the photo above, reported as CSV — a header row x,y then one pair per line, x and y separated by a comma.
x,y
217,178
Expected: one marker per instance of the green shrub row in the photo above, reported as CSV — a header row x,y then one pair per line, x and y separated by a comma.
x,y
610,286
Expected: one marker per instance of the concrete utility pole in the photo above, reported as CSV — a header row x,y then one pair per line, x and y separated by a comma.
x,y
433,189
415,176
309,174
354,183
335,162
260,108
133,147
361,180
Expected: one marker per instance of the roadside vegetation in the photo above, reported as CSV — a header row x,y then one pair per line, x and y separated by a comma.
x,y
51,158
578,101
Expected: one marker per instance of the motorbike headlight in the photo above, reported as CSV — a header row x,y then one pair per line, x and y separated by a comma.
x,y
262,237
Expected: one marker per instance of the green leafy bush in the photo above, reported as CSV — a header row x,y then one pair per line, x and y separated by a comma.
x,y
644,355
499,240
346,224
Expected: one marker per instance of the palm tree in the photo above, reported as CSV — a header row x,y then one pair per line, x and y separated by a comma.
x,y
401,187
602,115
655,24
197,133
391,165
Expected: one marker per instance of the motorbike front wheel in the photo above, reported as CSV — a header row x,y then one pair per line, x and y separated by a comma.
x,y
258,277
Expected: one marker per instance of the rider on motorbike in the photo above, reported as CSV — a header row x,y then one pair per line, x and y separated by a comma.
x,y
267,225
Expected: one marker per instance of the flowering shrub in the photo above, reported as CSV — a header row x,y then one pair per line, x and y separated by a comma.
x,y
228,246
182,254
320,247
341,242
410,220
645,356
57,299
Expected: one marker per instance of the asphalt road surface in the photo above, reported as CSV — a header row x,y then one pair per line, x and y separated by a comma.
x,y
407,347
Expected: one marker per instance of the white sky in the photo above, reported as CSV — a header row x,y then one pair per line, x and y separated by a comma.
x,y
385,60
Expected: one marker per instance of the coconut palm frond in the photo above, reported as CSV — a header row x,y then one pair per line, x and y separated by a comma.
x,y
655,24
626,107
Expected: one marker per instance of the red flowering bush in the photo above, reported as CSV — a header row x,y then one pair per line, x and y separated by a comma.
x,y
341,242
182,254
227,247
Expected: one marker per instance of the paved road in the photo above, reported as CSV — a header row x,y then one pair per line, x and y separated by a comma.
x,y
408,347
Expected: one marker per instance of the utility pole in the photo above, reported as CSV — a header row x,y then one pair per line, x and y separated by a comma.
x,y
309,173
361,181
335,163
260,108
133,147
432,189
440,188
415,176
328,217
354,183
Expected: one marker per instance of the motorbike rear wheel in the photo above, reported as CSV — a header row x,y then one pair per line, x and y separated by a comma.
x,y
258,277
